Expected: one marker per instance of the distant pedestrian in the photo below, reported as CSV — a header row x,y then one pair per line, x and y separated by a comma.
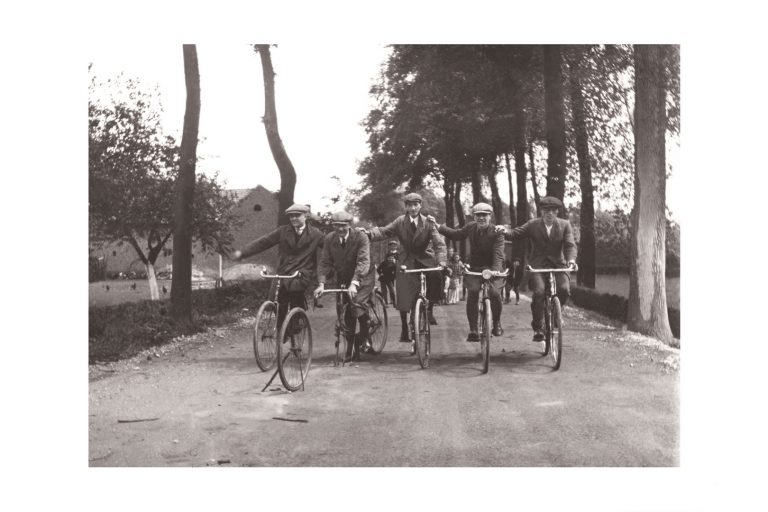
x,y
456,266
387,270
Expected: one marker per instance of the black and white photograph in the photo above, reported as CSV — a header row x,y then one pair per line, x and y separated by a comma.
x,y
367,260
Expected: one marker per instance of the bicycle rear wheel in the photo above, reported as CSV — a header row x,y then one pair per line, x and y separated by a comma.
x,y
485,335
265,336
294,353
556,333
421,334
378,326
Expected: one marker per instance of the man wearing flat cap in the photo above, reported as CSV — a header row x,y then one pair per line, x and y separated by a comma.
x,y
487,252
421,246
297,250
552,246
347,252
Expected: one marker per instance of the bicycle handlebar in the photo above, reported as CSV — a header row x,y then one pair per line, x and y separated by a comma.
x,y
336,290
264,270
543,270
405,270
494,273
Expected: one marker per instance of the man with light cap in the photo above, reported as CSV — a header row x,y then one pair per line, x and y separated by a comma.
x,y
421,246
297,251
486,252
348,254
552,246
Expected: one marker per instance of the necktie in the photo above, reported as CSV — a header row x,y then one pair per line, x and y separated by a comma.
x,y
343,242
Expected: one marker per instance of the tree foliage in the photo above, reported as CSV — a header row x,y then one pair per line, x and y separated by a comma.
x,y
132,169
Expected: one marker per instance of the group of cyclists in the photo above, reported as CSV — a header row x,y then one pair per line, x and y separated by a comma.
x,y
346,253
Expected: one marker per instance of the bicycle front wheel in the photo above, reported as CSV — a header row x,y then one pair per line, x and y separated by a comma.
x,y
421,334
294,352
485,336
378,326
556,333
265,336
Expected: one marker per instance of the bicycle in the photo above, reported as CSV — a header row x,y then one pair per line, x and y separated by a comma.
x,y
484,305
294,353
419,322
553,321
378,325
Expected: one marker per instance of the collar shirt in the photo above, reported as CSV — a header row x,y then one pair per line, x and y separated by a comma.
x,y
300,230
343,239
549,228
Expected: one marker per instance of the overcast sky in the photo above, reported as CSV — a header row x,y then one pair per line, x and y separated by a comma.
x,y
321,96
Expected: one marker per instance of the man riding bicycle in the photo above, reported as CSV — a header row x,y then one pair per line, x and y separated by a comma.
x,y
297,251
553,246
421,246
347,252
487,252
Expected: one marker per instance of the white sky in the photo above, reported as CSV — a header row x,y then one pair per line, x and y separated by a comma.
x,y
321,96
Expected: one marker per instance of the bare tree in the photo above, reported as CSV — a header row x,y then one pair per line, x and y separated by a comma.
x,y
647,309
284,165
181,284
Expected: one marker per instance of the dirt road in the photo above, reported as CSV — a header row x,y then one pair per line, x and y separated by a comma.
x,y
614,402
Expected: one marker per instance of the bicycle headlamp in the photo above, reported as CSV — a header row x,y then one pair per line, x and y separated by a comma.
x,y
487,274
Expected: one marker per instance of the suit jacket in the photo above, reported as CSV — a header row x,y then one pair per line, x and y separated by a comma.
x,y
486,245
350,263
294,253
554,250
424,244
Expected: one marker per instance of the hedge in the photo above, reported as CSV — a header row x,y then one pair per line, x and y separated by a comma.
x,y
122,331
615,306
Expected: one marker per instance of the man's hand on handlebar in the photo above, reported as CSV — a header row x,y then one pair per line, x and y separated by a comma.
x,y
352,290
500,229
319,290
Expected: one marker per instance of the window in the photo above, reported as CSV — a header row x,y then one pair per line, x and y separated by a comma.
x,y
257,207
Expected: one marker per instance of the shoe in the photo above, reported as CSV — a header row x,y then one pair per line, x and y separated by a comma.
x,y
497,330
368,348
318,305
431,318
473,336
538,335
507,300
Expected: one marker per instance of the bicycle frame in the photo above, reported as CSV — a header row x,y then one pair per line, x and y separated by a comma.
x,y
487,275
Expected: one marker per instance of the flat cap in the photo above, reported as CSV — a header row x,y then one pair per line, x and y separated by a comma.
x,y
341,216
550,202
482,208
413,197
298,208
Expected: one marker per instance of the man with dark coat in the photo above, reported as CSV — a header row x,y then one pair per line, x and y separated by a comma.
x,y
421,246
552,246
487,252
298,244
348,254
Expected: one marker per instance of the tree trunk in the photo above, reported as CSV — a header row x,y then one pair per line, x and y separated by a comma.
x,y
462,220
477,182
586,272
284,165
154,293
536,197
512,215
647,310
555,122
518,144
181,284
492,169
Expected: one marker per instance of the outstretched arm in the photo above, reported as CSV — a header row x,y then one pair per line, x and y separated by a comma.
x,y
388,231
569,244
261,244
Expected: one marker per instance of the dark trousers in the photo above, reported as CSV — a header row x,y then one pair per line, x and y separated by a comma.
x,y
472,310
292,293
388,287
537,283
350,321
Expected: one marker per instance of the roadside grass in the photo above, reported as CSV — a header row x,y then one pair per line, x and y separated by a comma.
x,y
122,330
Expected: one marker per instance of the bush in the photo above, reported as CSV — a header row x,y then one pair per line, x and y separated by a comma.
x,y
122,331
615,306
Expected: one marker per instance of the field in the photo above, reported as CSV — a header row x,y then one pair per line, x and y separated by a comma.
x,y
120,291
618,284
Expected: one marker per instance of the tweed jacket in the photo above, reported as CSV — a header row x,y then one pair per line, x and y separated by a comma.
x,y
349,263
486,245
424,244
556,249
294,252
